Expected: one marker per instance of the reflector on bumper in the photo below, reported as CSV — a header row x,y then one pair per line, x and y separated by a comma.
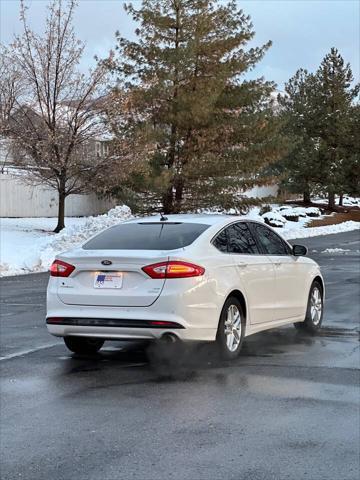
x,y
112,322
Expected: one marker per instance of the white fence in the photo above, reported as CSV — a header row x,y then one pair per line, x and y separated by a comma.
x,y
19,199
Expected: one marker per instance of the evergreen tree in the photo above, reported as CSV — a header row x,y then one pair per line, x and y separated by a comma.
x,y
321,119
350,174
190,131
335,101
300,167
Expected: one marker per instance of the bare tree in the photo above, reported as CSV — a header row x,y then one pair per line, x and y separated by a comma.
x,y
12,88
53,128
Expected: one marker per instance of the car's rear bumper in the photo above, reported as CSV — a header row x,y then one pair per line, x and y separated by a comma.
x,y
131,333
193,313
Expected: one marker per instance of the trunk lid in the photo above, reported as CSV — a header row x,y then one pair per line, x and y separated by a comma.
x,y
135,289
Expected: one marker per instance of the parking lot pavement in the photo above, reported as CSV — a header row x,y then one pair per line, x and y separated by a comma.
x,y
288,408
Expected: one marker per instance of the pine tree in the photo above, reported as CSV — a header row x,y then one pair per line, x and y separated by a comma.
x,y
350,174
320,118
300,167
335,100
190,131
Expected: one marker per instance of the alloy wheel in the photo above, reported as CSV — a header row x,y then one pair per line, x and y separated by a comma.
x,y
316,306
232,328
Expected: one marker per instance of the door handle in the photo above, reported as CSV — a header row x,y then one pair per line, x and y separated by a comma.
x,y
277,264
241,265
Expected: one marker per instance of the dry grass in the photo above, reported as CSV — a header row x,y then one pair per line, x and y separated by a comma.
x,y
353,214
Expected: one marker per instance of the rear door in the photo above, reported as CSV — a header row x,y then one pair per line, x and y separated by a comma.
x,y
255,271
289,273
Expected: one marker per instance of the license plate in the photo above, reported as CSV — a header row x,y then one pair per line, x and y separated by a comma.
x,y
108,280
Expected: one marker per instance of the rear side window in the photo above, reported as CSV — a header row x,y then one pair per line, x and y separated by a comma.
x,y
236,238
221,242
270,241
241,239
146,236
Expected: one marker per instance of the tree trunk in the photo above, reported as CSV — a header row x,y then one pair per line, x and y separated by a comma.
x,y
331,200
168,197
178,195
61,211
167,200
341,198
306,197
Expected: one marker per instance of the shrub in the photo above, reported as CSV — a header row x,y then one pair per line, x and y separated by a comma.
x,y
265,209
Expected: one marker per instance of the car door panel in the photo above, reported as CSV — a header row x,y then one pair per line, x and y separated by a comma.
x,y
290,284
290,277
257,278
255,272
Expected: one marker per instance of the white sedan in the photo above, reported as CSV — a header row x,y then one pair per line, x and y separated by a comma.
x,y
189,277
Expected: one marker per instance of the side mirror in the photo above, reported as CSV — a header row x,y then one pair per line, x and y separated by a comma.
x,y
299,250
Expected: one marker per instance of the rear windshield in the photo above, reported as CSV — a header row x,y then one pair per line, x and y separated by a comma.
x,y
146,236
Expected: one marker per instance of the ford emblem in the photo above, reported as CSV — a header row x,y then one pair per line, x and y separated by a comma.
x,y
106,262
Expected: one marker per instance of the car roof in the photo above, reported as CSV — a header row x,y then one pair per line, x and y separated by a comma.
x,y
203,218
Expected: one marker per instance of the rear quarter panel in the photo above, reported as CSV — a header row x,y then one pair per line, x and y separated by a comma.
x,y
203,300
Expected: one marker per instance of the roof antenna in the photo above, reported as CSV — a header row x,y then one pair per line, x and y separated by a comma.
x,y
162,218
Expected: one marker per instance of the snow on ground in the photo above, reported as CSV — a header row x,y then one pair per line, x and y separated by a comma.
x,y
302,232
29,245
343,251
347,201
277,219
291,230
22,240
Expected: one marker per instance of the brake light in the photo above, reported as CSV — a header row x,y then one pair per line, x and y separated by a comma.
x,y
173,269
61,269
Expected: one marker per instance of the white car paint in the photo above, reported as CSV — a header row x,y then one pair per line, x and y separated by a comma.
x,y
275,288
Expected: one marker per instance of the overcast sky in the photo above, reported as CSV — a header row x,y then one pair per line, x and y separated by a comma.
x,y
302,31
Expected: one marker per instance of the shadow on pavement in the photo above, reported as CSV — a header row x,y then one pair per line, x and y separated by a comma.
x,y
170,362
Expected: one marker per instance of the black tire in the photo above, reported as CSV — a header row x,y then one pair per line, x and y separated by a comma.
x,y
312,324
83,345
224,339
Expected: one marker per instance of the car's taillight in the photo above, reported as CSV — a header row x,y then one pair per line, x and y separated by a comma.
x,y
61,269
173,269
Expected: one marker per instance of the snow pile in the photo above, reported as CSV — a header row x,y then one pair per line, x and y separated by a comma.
x,y
288,211
274,219
336,250
347,201
73,236
23,238
351,202
279,217
291,213
312,211
28,246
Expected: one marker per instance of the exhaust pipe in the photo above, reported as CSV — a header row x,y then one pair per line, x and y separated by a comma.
x,y
169,338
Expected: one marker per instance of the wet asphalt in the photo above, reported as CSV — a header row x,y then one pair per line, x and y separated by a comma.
x,y
287,408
